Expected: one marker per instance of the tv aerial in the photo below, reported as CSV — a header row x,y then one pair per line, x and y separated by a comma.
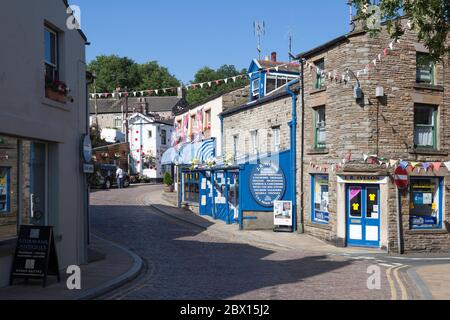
x,y
260,30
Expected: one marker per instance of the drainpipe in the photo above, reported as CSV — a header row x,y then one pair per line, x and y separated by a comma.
x,y
293,125
221,136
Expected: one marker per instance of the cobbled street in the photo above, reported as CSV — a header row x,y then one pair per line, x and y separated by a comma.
x,y
183,261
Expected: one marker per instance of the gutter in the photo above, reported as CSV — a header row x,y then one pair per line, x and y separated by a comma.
x,y
293,125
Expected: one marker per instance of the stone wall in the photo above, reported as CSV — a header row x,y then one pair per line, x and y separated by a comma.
x,y
373,126
263,118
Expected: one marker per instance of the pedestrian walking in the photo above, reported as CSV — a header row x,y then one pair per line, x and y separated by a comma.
x,y
120,175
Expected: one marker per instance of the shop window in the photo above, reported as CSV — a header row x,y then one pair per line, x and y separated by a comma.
x,y
425,126
426,69
319,128
320,200
319,81
356,202
191,187
426,203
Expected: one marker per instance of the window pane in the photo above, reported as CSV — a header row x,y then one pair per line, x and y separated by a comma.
x,y
423,136
425,68
423,115
321,200
271,84
372,203
50,47
355,194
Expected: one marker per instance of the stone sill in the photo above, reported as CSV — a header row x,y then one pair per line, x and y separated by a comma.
x,y
55,104
318,226
421,151
424,86
427,232
315,91
318,151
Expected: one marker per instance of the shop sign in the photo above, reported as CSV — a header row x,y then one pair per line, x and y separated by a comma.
x,y
267,184
88,168
35,256
363,179
87,149
423,222
283,213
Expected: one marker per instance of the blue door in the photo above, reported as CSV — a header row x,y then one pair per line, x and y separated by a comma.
x,y
363,215
220,196
206,194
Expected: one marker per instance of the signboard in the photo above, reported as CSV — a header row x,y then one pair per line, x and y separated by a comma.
x,y
35,256
88,168
363,179
423,221
401,178
87,149
283,213
267,184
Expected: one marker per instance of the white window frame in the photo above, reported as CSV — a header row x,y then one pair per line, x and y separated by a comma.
x,y
256,88
54,65
276,134
255,142
277,78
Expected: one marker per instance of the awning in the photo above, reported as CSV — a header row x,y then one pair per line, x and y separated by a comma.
x,y
170,157
202,151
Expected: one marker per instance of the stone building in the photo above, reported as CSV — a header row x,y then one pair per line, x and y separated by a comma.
x,y
353,145
111,113
42,125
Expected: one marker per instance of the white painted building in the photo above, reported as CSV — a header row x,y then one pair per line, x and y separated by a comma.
x,y
149,140
41,129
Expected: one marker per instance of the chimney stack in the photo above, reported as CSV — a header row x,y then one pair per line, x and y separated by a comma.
x,y
274,57
181,92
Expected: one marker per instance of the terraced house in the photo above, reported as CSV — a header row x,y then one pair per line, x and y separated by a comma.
x,y
43,119
390,109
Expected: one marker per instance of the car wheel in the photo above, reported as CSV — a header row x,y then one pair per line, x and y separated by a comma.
x,y
126,183
108,184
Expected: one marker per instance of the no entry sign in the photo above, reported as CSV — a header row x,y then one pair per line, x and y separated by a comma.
x,y
401,178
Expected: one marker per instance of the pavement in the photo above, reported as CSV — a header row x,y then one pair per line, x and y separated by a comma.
x,y
112,267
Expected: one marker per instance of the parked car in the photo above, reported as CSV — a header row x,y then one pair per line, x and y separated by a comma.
x,y
105,177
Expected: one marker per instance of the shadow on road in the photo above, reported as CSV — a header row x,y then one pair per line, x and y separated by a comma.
x,y
189,264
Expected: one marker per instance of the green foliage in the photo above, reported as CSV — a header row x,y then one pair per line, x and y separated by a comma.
x,y
168,179
97,141
207,74
121,72
429,18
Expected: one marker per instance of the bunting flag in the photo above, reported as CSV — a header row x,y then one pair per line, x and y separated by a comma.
x,y
437,166
447,164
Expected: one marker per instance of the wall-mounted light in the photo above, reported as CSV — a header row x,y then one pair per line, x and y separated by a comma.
x,y
357,91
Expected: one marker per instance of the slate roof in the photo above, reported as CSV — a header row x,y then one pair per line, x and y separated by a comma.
x,y
155,104
293,67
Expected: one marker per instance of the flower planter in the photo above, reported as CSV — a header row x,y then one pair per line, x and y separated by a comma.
x,y
55,95
168,189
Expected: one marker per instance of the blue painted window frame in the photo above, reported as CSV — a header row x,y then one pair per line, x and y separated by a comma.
x,y
440,195
313,195
7,208
191,181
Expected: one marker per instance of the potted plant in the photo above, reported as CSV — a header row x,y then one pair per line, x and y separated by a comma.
x,y
56,90
168,182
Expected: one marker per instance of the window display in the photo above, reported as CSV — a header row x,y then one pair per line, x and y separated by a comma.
x,y
320,199
425,204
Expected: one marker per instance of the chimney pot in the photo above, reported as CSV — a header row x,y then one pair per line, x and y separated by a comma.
x,y
274,57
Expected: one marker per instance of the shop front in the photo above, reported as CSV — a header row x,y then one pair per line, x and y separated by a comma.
x,y
363,210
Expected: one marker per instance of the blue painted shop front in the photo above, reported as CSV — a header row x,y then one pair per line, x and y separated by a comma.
x,y
225,193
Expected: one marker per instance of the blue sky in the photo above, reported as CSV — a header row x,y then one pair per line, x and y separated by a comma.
x,y
186,35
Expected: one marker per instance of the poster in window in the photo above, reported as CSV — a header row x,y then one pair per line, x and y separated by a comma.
x,y
4,189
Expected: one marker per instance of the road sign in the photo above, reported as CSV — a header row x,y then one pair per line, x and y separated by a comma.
x,y
401,178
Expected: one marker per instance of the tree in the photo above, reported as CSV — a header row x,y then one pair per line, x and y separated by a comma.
x,y
153,76
207,74
121,72
115,72
429,18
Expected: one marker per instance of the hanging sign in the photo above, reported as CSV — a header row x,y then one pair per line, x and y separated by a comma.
x,y
267,184
35,256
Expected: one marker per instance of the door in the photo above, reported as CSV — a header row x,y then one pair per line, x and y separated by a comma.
x,y
234,196
38,184
206,194
363,215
